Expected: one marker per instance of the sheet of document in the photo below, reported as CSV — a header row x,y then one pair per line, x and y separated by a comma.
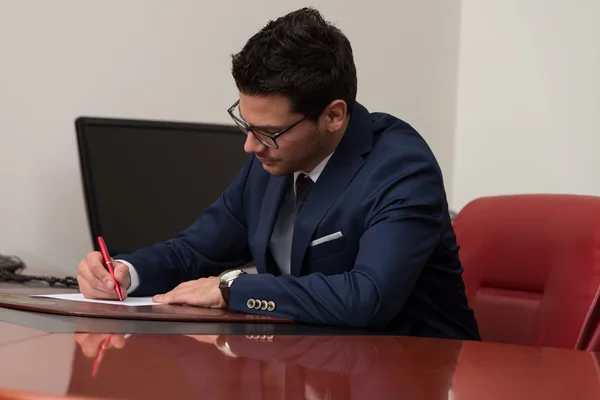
x,y
129,301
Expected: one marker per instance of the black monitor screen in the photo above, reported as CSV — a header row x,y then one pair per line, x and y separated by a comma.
x,y
146,181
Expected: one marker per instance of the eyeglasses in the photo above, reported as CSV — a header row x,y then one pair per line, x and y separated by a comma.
x,y
268,139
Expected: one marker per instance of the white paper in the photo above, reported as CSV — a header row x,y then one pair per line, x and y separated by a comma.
x,y
129,301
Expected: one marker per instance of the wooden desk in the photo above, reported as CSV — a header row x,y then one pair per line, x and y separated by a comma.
x,y
42,356
292,367
219,321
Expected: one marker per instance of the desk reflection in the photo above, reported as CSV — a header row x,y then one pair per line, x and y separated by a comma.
x,y
263,367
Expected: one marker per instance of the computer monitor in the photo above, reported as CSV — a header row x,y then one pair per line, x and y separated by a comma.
x,y
146,181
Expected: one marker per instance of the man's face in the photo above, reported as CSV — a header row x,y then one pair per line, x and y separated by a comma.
x,y
299,148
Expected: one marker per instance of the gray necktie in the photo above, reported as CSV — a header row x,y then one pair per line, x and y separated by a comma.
x,y
303,186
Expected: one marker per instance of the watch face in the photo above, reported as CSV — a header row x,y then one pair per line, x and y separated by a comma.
x,y
231,275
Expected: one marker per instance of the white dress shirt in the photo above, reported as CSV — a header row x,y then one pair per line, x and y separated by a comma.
x,y
280,243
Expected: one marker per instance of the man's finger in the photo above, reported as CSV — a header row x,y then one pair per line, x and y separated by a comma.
x,y
166,298
90,278
81,337
122,274
93,293
179,295
98,269
117,341
92,344
123,292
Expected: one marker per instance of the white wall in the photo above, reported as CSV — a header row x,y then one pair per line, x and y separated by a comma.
x,y
170,60
528,99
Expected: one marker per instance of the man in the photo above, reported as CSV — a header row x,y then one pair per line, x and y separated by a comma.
x,y
343,212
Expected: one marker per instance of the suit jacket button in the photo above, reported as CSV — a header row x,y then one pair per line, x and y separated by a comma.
x,y
271,306
264,305
250,303
257,304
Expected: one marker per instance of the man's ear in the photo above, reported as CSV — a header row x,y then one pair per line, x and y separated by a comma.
x,y
335,115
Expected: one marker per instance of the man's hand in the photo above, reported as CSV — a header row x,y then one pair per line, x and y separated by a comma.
x,y
91,342
95,281
203,292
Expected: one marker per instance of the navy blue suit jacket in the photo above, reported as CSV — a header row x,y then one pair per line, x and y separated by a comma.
x,y
395,269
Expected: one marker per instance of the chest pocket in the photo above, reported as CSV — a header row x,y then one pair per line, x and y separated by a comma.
x,y
326,247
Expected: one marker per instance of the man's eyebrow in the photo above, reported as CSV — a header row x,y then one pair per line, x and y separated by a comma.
x,y
261,127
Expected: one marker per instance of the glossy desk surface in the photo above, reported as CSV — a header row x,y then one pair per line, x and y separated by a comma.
x,y
290,367
40,363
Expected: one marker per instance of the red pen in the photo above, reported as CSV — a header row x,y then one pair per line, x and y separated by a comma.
x,y
109,266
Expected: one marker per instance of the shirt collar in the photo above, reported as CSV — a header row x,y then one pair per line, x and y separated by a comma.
x,y
316,171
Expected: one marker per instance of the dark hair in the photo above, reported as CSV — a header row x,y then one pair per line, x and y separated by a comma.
x,y
301,56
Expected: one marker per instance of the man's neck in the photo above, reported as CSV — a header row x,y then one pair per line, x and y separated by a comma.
x,y
328,148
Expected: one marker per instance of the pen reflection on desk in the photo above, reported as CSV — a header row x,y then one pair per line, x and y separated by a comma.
x,y
100,354
107,261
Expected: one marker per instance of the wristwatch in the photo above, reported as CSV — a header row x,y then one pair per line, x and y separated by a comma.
x,y
226,280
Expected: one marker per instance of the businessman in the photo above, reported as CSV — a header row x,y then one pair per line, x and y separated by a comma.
x,y
343,211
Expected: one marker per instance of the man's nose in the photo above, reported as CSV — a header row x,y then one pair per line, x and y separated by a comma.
x,y
253,145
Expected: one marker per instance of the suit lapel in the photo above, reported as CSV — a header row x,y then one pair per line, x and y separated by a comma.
x,y
268,215
338,173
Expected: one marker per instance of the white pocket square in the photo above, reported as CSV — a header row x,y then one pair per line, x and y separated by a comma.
x,y
327,238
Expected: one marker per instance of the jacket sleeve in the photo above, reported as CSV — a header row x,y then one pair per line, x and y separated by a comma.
x,y
216,241
404,224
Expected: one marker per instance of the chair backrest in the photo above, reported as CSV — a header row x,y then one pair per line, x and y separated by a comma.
x,y
594,342
532,266
592,339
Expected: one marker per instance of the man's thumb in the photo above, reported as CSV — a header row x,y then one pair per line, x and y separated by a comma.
x,y
122,274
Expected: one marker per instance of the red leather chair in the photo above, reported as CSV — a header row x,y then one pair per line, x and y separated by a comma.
x,y
532,267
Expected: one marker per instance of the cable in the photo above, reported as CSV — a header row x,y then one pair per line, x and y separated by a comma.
x,y
68,281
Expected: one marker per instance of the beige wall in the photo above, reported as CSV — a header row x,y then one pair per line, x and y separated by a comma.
x,y
170,60
528,98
